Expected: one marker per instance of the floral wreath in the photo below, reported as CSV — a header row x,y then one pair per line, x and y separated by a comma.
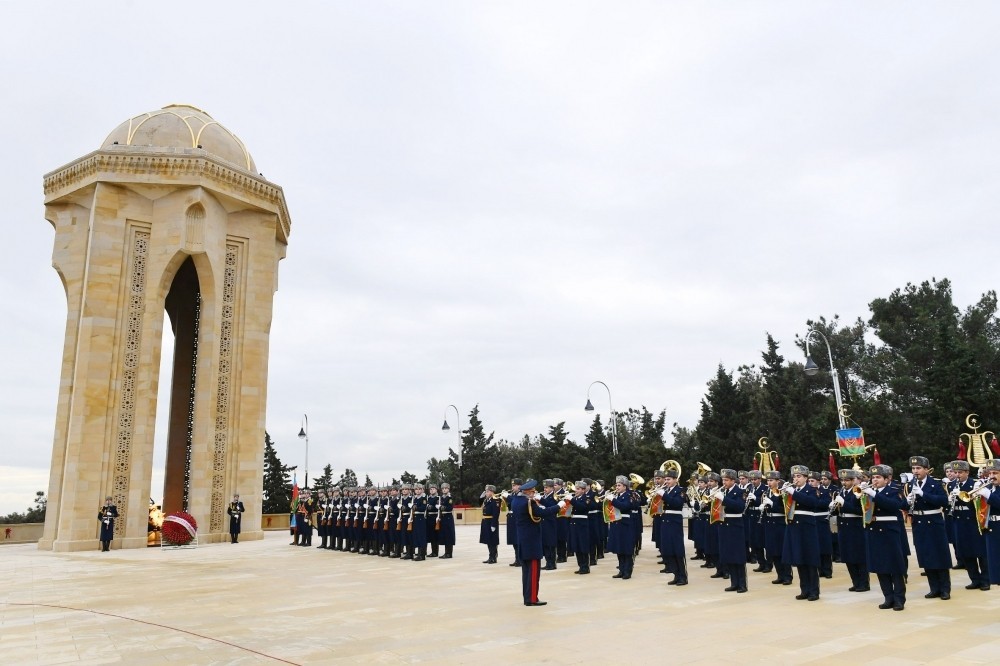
x,y
179,528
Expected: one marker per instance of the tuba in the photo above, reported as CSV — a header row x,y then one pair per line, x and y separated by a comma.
x,y
635,480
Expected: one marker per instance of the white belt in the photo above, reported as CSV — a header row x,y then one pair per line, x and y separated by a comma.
x,y
776,514
753,508
893,518
671,512
850,515
594,511
576,515
994,518
928,512
961,508
810,513
624,516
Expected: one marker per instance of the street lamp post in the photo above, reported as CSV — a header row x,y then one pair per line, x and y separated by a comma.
x,y
614,421
811,369
304,434
458,423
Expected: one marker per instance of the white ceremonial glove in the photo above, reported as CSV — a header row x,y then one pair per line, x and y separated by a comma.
x,y
869,491
609,496
563,504
918,491
718,494
839,500
493,529
906,477
786,490
833,506
766,502
985,491
661,492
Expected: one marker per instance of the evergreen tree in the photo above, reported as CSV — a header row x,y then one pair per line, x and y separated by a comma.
x,y
325,480
721,436
348,479
479,459
277,491
406,477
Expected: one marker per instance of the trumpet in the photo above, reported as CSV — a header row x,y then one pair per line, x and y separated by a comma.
x,y
968,495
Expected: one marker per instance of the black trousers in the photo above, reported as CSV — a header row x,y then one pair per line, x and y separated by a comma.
x,y
808,579
893,588
939,580
859,575
976,566
737,576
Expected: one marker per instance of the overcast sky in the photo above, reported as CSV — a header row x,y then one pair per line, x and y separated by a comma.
x,y
499,203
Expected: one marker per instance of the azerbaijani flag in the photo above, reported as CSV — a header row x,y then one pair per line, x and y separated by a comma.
x,y
851,441
612,514
295,500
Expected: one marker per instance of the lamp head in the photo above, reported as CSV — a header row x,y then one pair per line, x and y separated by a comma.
x,y
589,407
302,433
446,426
811,367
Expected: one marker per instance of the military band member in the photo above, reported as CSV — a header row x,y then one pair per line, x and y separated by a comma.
x,y
562,524
949,522
595,523
801,545
235,511
697,524
579,525
970,546
549,525
823,532
515,489
851,531
774,529
106,517
602,528
885,551
732,536
657,516
754,523
989,492
712,529
528,513
489,529
621,534
638,502
743,483
446,521
671,539
927,500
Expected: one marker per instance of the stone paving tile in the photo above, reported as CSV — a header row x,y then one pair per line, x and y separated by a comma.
x,y
265,602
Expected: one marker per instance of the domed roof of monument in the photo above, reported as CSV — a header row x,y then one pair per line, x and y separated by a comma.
x,y
182,126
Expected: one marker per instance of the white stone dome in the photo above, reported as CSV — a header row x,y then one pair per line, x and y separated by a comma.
x,y
182,126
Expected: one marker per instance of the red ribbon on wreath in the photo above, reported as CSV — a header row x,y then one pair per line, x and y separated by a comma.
x,y
179,528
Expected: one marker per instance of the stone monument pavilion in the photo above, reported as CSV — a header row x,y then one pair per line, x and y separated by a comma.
x,y
167,223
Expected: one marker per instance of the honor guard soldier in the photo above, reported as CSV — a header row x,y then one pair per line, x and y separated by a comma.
x,y
433,524
446,521
773,514
801,546
927,499
621,534
886,558
753,522
106,517
418,516
321,517
371,530
235,511
549,525
992,497
382,522
562,524
732,536
671,539
350,514
970,545
489,528
334,528
851,531
394,520
579,525
528,514
515,489
405,545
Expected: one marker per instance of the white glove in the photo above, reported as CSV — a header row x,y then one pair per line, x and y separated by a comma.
x,y
609,496
493,529
869,491
661,492
563,504
718,494
833,506
766,502
839,500
787,490
918,491
906,477
985,491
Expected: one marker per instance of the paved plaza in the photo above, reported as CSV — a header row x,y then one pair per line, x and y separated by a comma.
x,y
267,602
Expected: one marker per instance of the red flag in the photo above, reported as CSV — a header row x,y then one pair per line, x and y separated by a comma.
x,y
777,462
995,446
756,463
878,458
833,468
961,450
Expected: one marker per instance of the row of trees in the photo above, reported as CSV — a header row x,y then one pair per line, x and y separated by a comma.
x,y
33,514
911,374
